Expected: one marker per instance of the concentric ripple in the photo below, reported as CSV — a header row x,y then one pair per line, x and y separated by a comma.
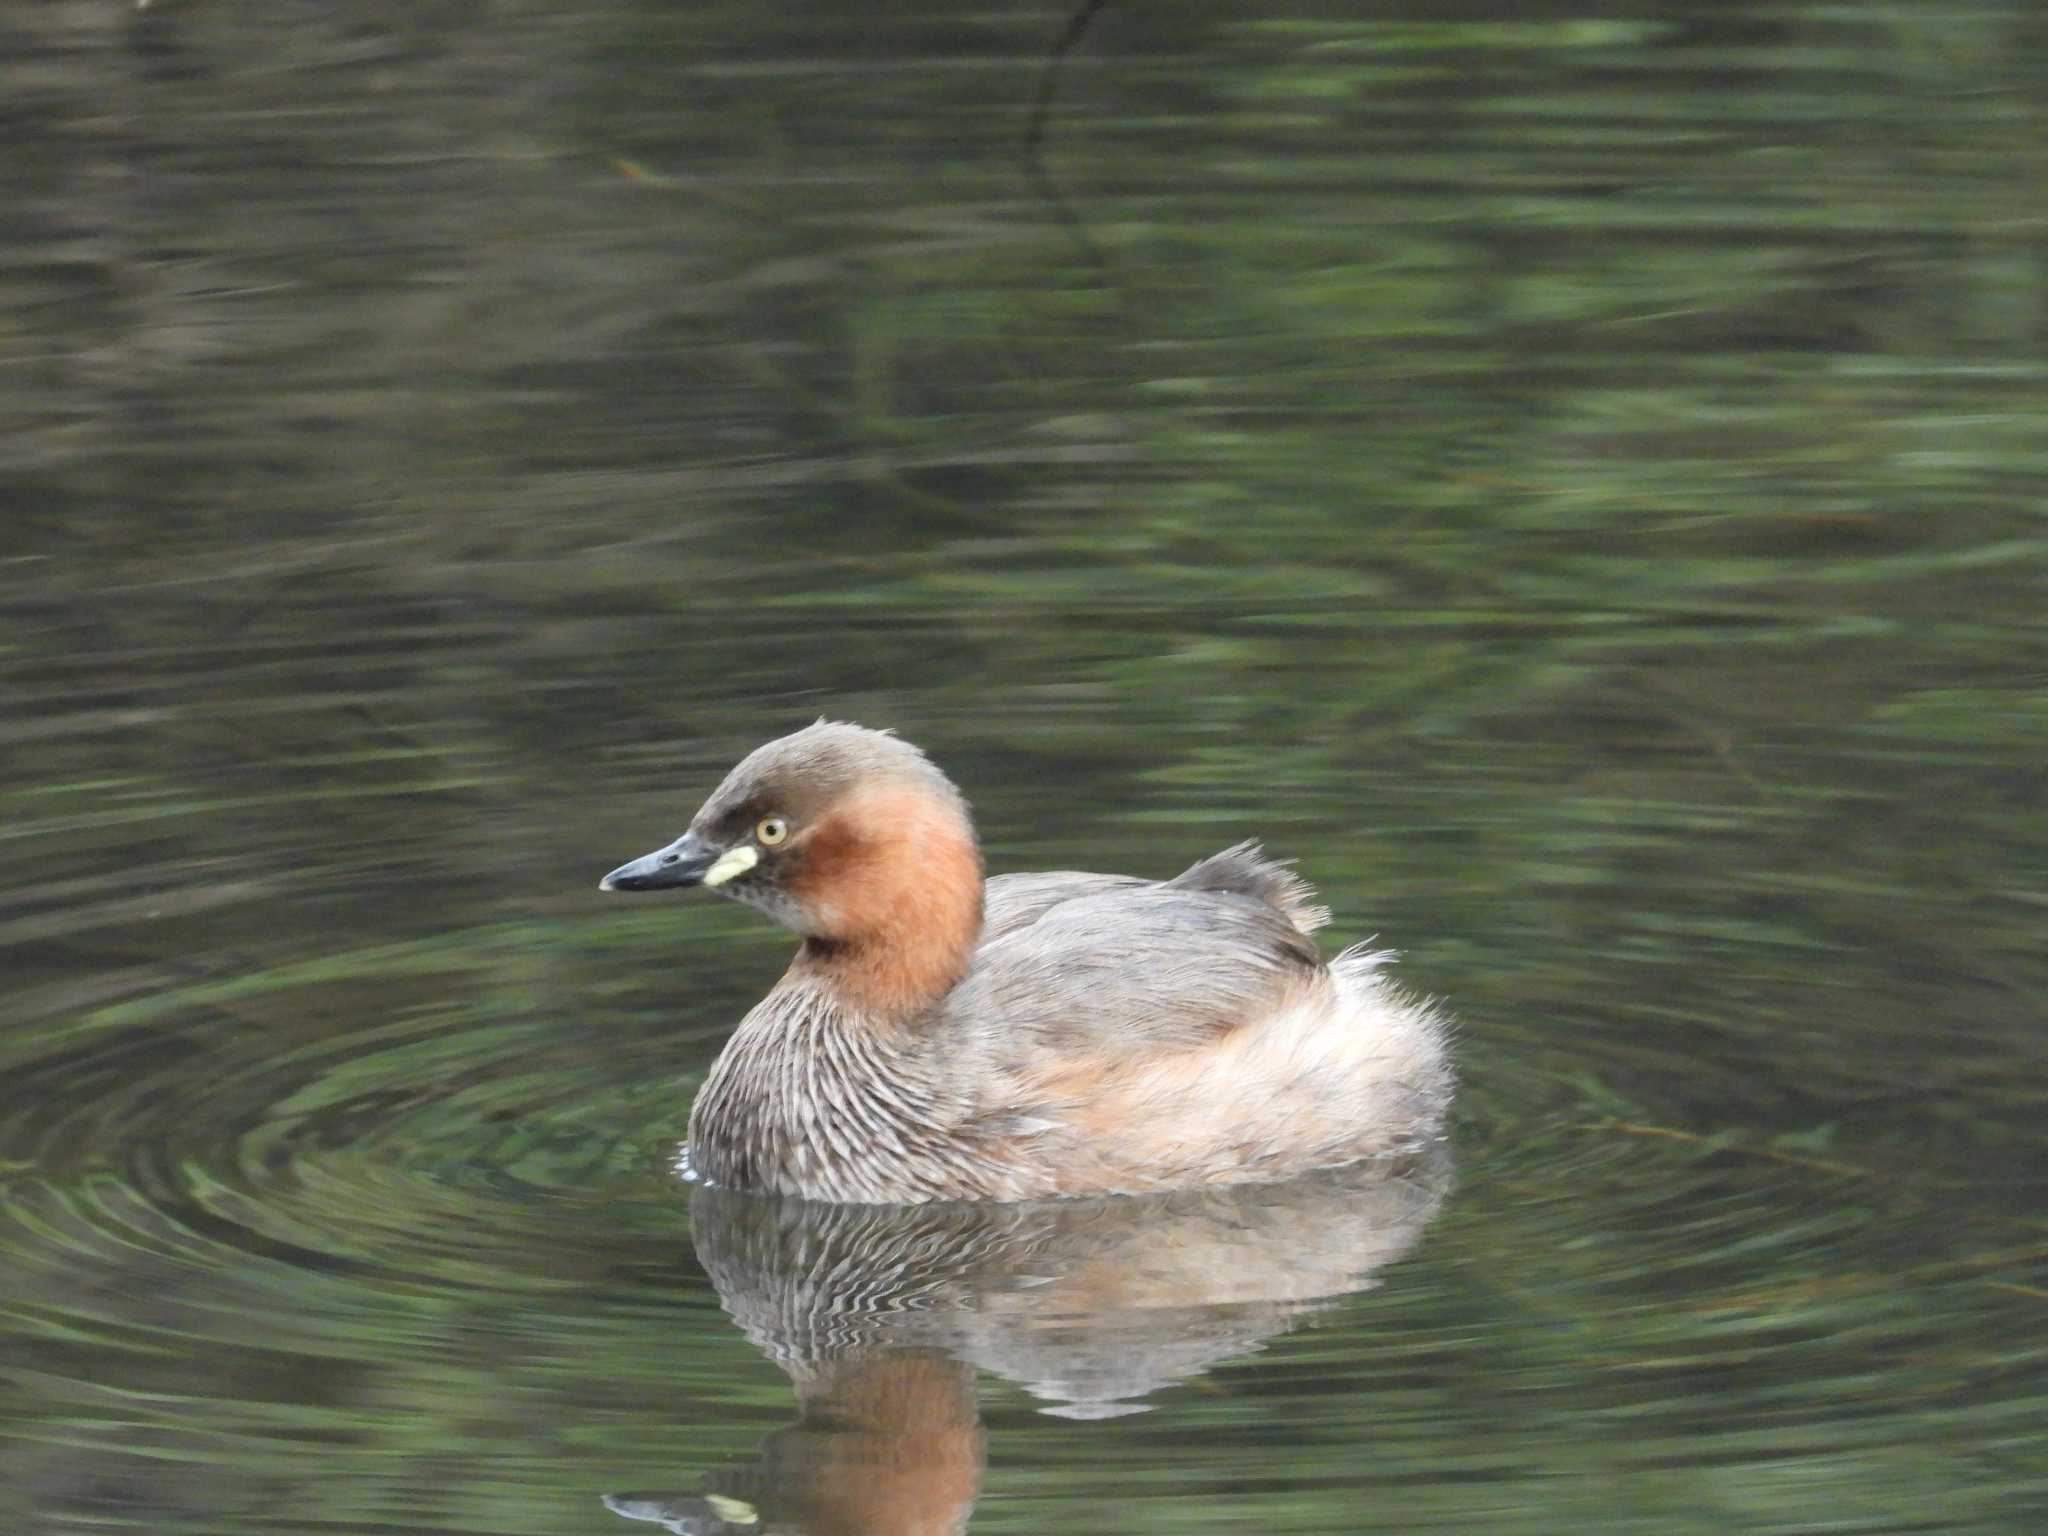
x,y
281,1133
382,1195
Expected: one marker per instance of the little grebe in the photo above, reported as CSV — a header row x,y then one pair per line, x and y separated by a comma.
x,y
944,1037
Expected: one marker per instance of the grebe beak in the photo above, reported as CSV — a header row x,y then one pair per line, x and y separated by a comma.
x,y
689,860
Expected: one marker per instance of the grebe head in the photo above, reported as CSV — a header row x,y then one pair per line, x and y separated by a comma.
x,y
849,836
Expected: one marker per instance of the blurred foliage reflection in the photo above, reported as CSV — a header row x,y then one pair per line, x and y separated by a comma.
x,y
1574,477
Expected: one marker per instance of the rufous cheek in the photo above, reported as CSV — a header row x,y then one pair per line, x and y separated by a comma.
x,y
824,880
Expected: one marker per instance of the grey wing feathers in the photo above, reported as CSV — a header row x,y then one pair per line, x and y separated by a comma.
x,y
1015,901
1117,963
1246,871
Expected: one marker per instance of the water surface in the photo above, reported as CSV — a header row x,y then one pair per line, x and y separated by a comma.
x,y
1573,478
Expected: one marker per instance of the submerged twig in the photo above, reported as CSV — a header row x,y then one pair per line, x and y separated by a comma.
x,y
1034,133
1771,1154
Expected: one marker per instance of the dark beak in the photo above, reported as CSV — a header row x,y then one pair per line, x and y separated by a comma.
x,y
682,862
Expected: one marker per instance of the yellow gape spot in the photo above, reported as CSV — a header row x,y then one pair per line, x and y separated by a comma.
x,y
731,864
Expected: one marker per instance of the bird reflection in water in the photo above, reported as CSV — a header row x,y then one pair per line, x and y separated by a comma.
x,y
880,1316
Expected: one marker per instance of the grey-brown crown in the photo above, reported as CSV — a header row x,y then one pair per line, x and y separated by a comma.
x,y
800,774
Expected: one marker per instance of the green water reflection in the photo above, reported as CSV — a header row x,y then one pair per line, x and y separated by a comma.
x,y
1573,478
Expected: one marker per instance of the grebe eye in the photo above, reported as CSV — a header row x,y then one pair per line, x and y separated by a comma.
x,y
771,830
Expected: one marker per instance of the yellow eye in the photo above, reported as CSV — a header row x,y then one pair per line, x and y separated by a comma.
x,y
771,830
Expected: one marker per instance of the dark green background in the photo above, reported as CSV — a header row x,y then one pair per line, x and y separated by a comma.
x,y
1571,475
